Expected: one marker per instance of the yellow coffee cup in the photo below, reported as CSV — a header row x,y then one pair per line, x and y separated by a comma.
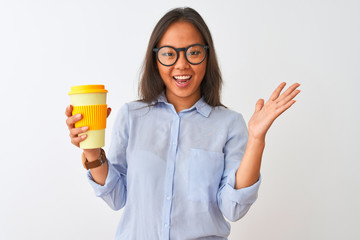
x,y
90,101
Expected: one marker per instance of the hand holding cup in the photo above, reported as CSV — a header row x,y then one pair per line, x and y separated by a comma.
x,y
74,132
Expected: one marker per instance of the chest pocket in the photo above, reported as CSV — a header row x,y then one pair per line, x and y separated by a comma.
x,y
204,174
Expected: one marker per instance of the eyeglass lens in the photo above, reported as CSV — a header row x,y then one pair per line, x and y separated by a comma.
x,y
194,55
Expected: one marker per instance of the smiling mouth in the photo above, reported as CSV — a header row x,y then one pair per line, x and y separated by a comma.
x,y
182,79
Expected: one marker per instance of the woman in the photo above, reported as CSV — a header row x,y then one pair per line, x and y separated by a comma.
x,y
179,160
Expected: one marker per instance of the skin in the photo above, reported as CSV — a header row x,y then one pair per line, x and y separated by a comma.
x,y
183,34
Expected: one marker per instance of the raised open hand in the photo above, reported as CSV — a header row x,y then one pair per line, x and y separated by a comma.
x,y
266,113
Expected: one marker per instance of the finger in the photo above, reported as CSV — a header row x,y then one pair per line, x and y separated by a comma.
x,y
289,91
285,107
70,121
259,105
68,111
74,132
289,97
108,112
76,140
277,91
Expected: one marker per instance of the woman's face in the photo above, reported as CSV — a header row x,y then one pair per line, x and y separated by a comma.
x,y
182,80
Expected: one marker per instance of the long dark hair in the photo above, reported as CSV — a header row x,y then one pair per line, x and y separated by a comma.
x,y
151,84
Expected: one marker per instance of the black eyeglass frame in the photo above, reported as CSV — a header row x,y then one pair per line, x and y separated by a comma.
x,y
177,50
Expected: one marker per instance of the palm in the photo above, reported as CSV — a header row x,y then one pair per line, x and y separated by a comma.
x,y
265,114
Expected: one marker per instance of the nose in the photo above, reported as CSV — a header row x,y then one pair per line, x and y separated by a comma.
x,y
182,63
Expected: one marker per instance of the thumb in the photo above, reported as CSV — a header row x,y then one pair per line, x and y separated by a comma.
x,y
259,105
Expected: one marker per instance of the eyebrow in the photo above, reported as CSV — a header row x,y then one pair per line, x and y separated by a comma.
x,y
168,45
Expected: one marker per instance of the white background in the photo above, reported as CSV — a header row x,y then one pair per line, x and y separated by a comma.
x,y
310,187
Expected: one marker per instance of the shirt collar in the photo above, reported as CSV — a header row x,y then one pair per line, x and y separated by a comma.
x,y
201,106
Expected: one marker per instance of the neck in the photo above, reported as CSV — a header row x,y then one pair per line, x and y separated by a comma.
x,y
181,103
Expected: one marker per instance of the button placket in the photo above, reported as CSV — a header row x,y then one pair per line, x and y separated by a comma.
x,y
170,177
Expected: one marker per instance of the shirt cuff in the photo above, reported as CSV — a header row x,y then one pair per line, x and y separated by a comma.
x,y
112,178
246,195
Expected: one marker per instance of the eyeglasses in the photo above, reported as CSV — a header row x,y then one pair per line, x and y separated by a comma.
x,y
194,54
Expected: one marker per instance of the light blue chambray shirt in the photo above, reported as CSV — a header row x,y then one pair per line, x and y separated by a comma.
x,y
175,172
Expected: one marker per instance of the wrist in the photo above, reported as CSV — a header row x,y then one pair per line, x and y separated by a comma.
x,y
92,154
259,142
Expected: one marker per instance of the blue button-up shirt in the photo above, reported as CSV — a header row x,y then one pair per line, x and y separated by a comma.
x,y
175,172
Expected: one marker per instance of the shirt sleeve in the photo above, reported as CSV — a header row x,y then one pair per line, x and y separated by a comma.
x,y
235,203
114,191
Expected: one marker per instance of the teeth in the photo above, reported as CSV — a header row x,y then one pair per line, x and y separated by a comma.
x,y
182,77
181,82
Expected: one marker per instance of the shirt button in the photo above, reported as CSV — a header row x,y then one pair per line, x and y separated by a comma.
x,y
166,225
168,197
